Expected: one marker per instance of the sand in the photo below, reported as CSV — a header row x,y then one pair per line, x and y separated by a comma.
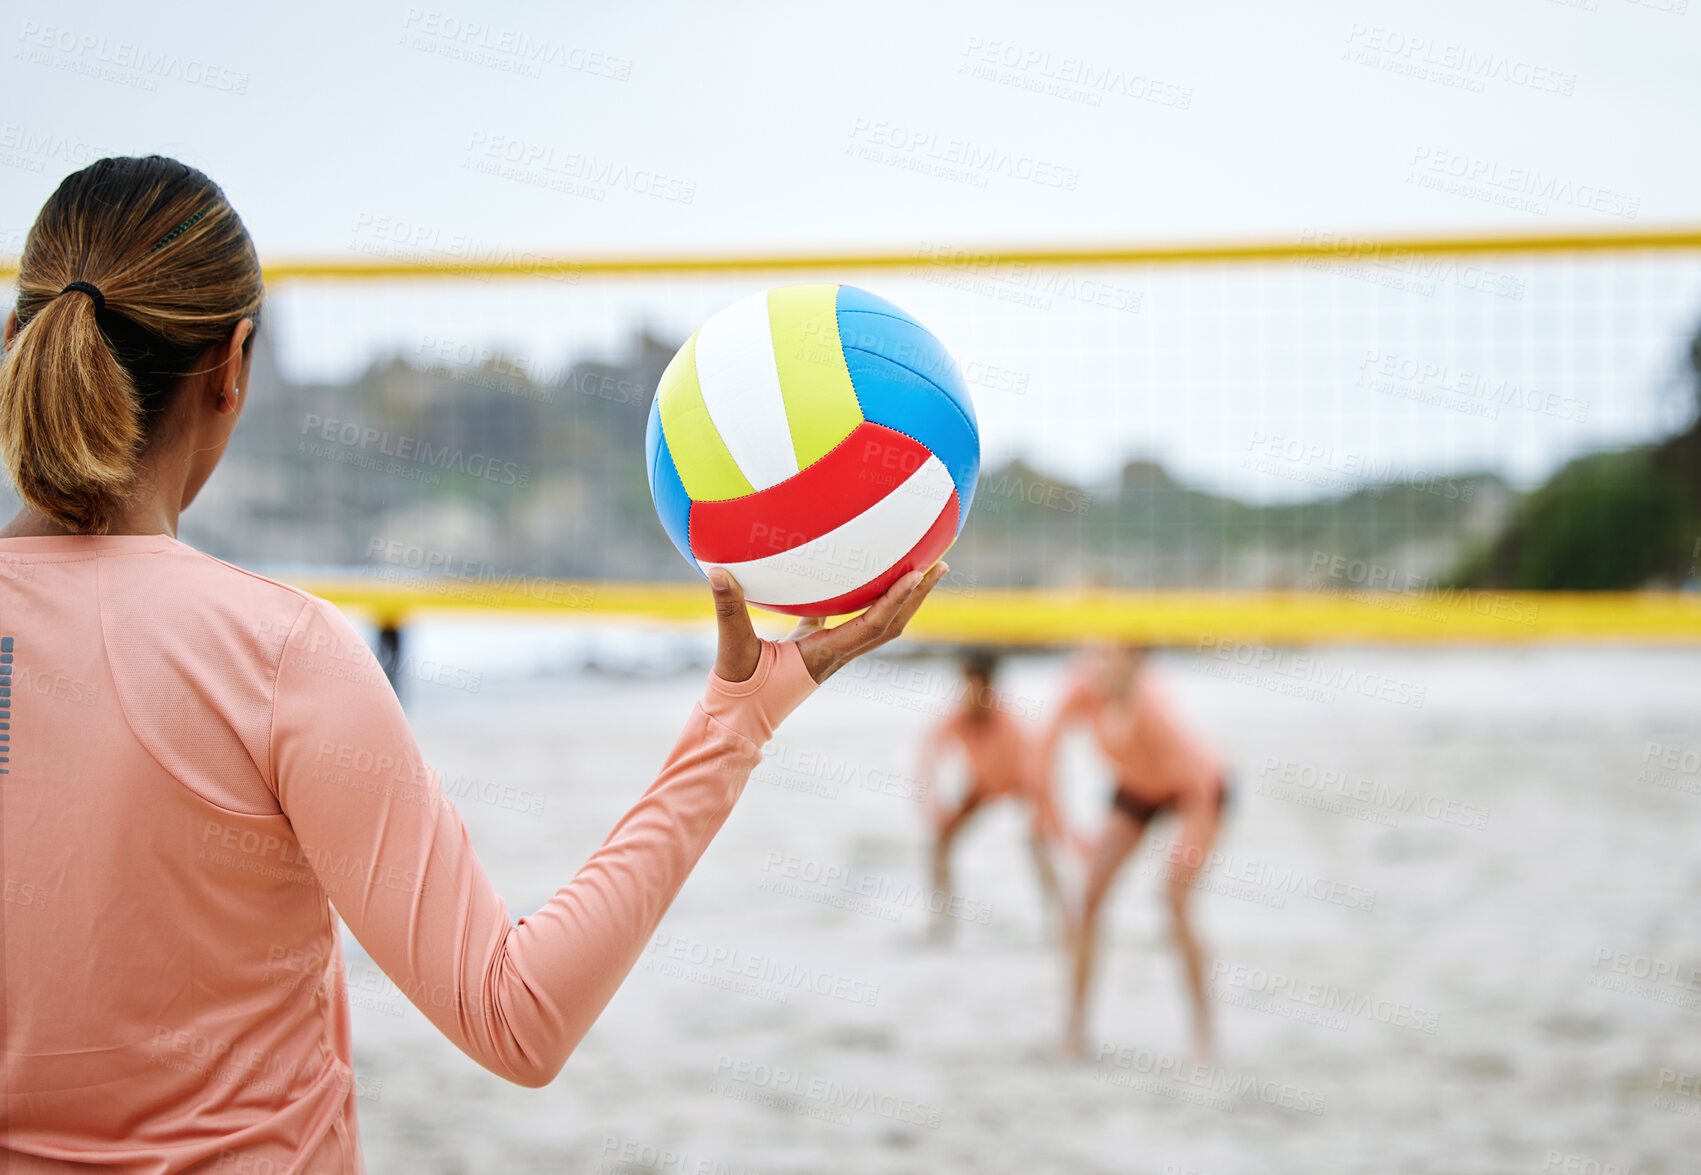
x,y
1453,930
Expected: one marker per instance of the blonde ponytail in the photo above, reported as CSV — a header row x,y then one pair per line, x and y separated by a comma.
x,y
69,422
133,269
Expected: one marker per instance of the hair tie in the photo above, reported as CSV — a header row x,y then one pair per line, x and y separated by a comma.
x,y
91,290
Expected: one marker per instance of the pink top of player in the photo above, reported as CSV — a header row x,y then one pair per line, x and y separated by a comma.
x,y
205,768
998,746
1156,758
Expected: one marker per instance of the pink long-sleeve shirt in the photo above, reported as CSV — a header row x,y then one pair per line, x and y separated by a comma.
x,y
205,768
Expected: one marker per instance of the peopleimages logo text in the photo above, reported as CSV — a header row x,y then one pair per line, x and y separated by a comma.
x,y
415,450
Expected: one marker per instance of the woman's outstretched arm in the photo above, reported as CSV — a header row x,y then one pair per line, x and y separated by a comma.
x,y
395,859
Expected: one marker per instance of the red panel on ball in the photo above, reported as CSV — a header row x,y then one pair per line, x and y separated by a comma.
x,y
923,555
852,476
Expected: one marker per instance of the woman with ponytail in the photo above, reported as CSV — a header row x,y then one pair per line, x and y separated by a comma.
x,y
117,304
202,770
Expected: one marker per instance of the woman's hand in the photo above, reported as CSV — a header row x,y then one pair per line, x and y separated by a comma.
x,y
825,650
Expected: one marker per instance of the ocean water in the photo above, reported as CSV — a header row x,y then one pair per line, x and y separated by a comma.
x,y
1453,924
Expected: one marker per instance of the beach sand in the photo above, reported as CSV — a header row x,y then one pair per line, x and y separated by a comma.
x,y
1453,930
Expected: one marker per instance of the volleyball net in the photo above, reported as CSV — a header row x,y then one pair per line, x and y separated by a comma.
x,y
1326,438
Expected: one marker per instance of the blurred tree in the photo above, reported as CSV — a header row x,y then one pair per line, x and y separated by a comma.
x,y
1606,521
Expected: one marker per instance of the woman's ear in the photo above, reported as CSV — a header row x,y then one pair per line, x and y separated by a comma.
x,y
233,372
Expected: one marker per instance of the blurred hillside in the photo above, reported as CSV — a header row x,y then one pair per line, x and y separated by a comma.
x,y
472,463
1606,520
414,467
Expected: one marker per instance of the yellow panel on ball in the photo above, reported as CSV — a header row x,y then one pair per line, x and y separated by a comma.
x,y
705,466
820,401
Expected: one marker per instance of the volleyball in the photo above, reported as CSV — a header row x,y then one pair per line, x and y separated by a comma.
x,y
815,441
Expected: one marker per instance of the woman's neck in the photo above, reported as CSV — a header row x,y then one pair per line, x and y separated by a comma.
x,y
146,518
151,506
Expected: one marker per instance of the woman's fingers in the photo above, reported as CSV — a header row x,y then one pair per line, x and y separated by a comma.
x,y
738,649
806,626
880,615
928,582
826,650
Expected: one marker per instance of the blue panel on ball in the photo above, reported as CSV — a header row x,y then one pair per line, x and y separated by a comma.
x,y
893,395
874,324
673,505
852,299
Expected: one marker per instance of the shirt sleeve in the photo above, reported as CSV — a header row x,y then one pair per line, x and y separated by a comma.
x,y
395,860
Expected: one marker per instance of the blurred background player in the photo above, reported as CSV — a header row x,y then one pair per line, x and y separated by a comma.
x,y
1159,767
1001,756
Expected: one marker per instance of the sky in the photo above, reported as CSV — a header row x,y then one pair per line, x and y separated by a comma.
x,y
558,130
